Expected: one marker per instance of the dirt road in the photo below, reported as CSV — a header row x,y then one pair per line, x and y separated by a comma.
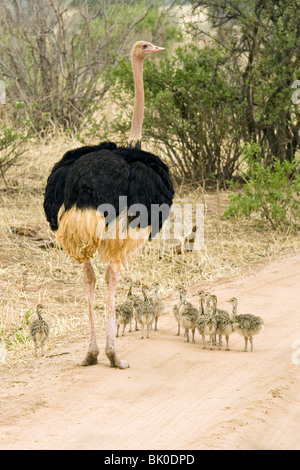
x,y
175,395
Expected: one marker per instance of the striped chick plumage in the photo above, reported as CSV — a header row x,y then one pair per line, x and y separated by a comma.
x,y
39,331
158,304
177,306
247,325
224,323
188,316
206,323
144,312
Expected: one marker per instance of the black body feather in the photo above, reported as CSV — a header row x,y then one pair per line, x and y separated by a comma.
x,y
55,188
88,177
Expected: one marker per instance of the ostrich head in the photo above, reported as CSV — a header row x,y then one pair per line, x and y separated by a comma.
x,y
202,297
182,292
200,294
180,288
142,49
39,309
145,288
156,287
232,301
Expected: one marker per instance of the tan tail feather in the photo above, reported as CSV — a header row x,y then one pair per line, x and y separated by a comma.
x,y
80,232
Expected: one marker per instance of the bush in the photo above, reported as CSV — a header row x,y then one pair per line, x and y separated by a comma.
x,y
263,37
12,145
273,192
20,333
53,55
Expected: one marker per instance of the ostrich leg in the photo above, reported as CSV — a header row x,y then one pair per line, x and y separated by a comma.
x,y
111,347
90,281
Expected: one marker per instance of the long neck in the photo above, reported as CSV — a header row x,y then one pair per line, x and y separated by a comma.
x,y
207,307
135,135
130,291
156,289
145,295
234,310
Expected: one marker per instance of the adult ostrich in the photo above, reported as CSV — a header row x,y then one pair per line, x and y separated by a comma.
x,y
87,181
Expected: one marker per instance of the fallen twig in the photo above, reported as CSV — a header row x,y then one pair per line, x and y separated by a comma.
x,y
58,354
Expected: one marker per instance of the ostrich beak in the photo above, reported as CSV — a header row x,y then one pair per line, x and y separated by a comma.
x,y
153,48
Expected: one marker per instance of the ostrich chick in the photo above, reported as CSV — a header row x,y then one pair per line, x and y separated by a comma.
x,y
158,303
224,323
246,325
177,306
144,311
135,300
124,313
39,331
206,323
188,317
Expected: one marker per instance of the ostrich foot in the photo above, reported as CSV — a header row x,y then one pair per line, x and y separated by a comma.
x,y
90,358
115,362
121,364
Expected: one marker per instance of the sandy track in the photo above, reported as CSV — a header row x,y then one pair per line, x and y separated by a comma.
x,y
175,395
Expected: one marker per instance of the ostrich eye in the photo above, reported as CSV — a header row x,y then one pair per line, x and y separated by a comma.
x,y
144,46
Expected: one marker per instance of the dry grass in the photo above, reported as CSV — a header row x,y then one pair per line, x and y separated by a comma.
x,y
31,273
